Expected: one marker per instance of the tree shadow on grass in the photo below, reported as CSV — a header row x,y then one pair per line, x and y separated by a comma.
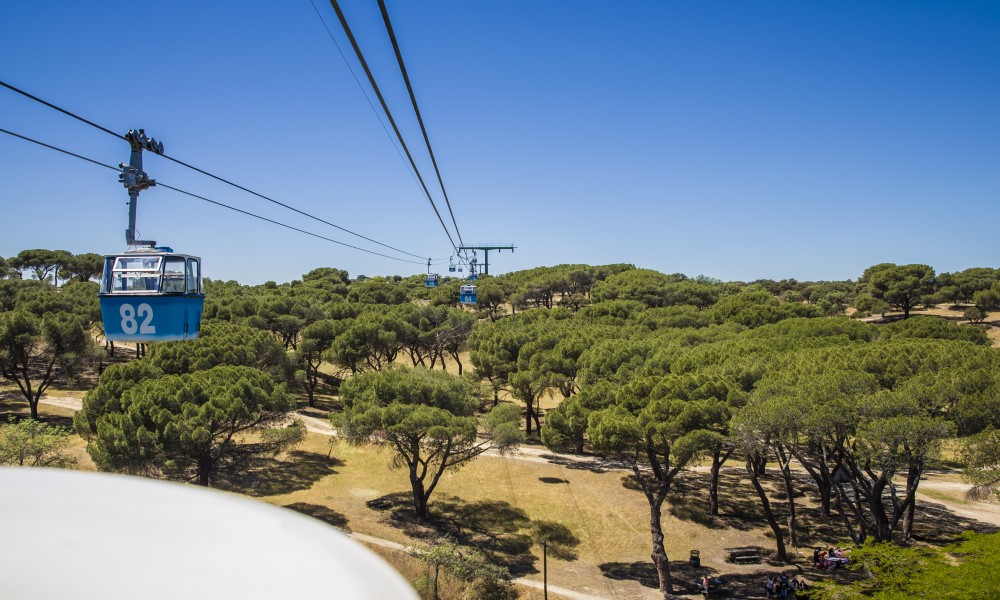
x,y
552,480
937,524
323,513
739,507
594,464
686,578
21,412
642,572
683,575
298,470
495,528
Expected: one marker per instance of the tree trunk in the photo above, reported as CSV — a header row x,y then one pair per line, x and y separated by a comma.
x,y
455,356
718,459
204,470
786,476
655,500
419,502
820,472
847,521
912,481
779,536
659,554
312,381
876,506
419,498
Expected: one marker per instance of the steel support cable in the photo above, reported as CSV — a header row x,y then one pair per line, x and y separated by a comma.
x,y
388,114
202,171
43,144
62,110
416,110
291,208
378,117
239,210
256,216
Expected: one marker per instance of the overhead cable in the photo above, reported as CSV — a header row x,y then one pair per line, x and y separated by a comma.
x,y
291,208
239,210
378,117
388,114
62,110
416,110
216,177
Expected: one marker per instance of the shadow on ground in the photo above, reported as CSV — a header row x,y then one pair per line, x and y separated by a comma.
x,y
272,476
493,527
11,407
936,524
552,480
323,513
686,579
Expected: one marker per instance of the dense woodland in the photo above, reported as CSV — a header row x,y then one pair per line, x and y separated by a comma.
x,y
843,384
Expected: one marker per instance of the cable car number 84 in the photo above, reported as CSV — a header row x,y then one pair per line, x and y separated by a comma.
x,y
131,315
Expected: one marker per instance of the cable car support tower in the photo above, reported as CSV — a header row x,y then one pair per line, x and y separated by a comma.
x,y
486,248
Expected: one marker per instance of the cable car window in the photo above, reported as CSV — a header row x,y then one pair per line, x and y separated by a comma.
x,y
193,277
131,281
106,275
138,263
136,274
173,275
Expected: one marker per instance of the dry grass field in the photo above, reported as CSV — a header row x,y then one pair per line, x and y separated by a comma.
x,y
490,504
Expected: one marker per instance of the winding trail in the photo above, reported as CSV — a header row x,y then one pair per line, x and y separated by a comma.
x,y
323,427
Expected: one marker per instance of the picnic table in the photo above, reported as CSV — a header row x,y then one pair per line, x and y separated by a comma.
x,y
743,554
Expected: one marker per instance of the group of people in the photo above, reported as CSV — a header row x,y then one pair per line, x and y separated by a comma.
x,y
782,587
707,583
829,559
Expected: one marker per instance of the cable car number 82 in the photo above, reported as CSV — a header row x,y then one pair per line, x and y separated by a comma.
x,y
130,324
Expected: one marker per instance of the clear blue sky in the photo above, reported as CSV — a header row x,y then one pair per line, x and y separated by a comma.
x,y
738,140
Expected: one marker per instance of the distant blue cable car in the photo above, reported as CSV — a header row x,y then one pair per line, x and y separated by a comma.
x,y
151,295
473,276
467,294
432,279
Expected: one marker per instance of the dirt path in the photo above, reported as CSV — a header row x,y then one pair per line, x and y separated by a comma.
x,y
375,541
62,402
935,489
323,427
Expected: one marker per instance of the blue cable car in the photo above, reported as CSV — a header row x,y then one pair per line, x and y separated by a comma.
x,y
467,294
432,279
151,295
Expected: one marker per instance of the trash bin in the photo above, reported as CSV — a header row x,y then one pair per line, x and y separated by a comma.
x,y
695,559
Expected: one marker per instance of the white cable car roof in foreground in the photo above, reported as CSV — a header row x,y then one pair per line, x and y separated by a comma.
x,y
83,535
